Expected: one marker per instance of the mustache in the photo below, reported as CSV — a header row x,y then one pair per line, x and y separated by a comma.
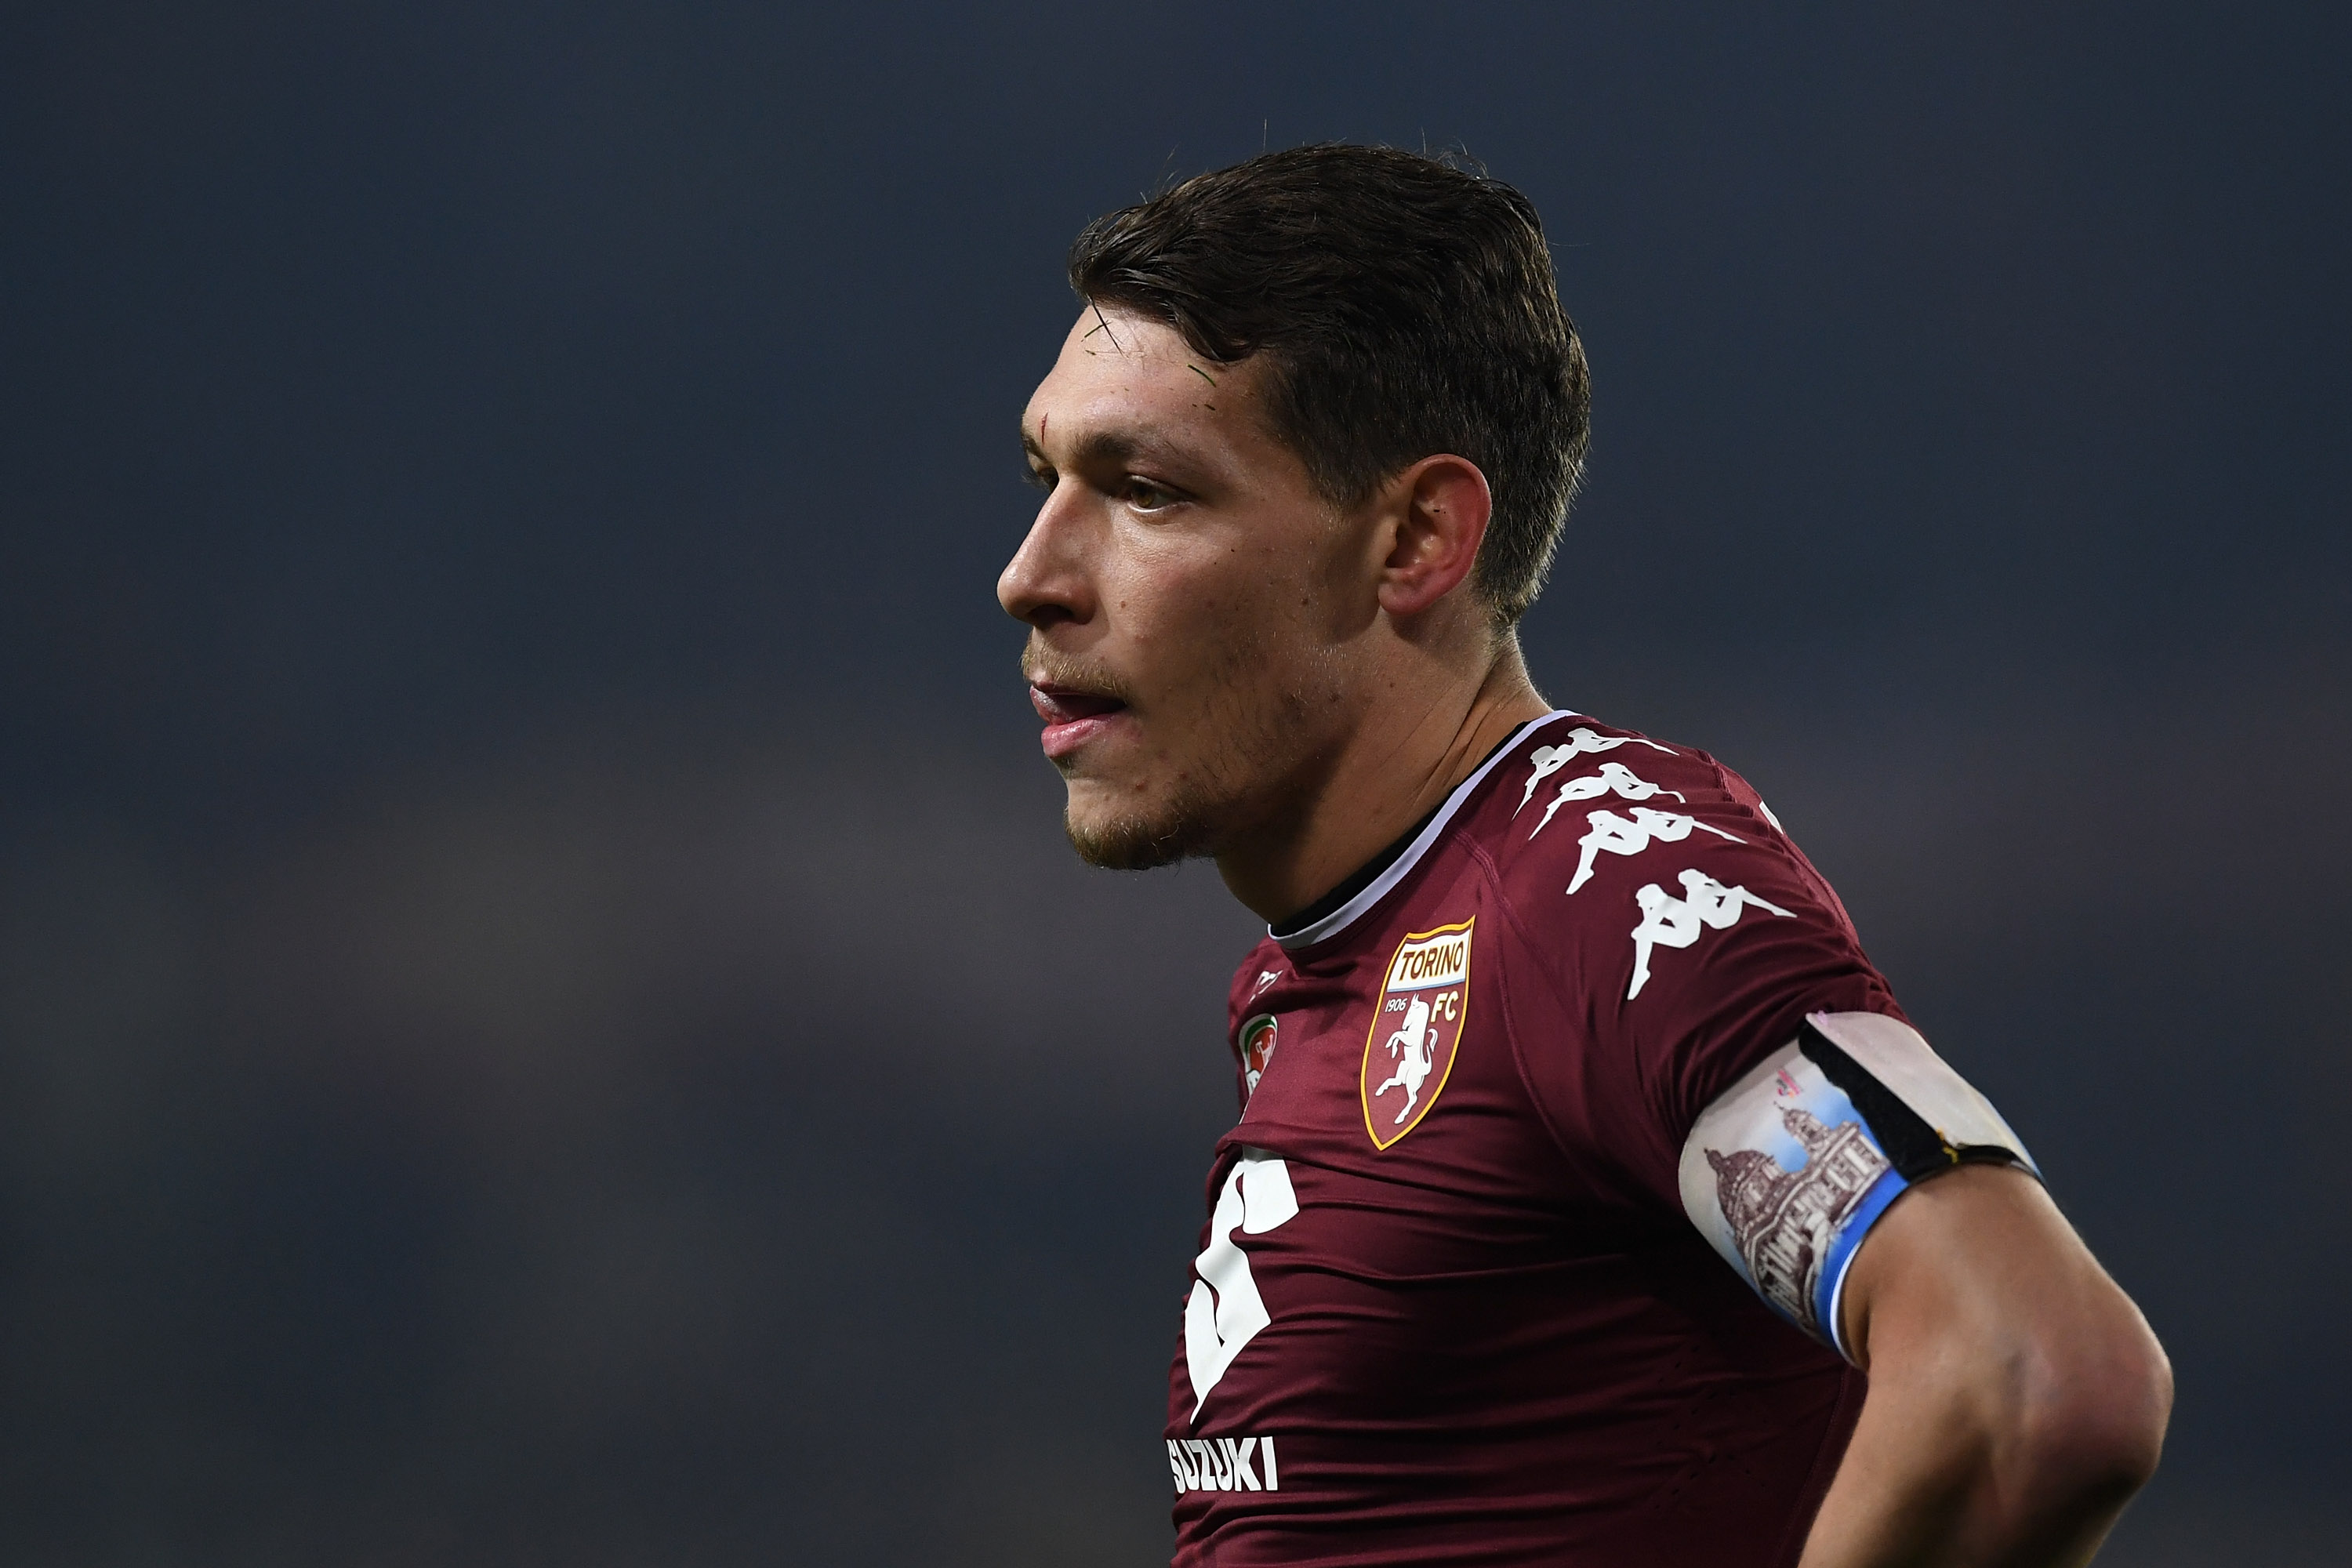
x,y
1040,666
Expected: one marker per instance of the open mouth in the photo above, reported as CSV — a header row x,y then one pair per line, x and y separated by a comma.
x,y
1060,705
1072,717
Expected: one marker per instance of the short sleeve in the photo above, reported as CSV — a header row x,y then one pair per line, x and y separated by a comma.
x,y
1670,937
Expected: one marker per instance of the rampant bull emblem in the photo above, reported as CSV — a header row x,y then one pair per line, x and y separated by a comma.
x,y
1416,1029
1412,1044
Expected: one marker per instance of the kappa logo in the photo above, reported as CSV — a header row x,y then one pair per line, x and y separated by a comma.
x,y
1669,921
1630,836
1580,741
1416,1030
1257,1048
1265,977
1614,778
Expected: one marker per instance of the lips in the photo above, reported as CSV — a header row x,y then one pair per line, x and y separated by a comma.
x,y
1072,716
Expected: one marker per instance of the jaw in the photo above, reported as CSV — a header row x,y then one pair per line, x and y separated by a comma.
x,y
1135,808
1137,800
1229,748
1133,828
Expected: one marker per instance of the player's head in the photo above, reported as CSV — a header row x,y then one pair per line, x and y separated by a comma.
x,y
1320,411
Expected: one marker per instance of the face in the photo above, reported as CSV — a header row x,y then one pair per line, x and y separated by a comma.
x,y
1190,599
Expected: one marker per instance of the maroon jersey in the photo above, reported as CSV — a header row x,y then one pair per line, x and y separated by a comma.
x,y
1449,1306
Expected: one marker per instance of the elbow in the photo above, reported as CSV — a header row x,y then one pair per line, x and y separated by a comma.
x,y
2093,1418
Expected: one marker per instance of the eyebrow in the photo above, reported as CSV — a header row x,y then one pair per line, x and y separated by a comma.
x,y
1104,448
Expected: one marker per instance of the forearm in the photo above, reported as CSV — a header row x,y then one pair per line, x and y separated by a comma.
x,y
1928,1480
1991,1436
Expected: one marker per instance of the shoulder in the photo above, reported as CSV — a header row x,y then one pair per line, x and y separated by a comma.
x,y
1660,934
1576,779
1607,845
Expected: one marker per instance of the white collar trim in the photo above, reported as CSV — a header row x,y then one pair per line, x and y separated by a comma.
x,y
1339,919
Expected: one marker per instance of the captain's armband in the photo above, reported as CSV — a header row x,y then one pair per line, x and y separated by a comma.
x,y
1789,1169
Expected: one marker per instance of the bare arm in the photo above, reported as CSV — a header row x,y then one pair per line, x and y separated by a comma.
x,y
2017,1398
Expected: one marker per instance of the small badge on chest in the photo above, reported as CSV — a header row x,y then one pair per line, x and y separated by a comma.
x,y
1256,1050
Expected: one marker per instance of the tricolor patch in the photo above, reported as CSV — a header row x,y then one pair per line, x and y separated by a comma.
x,y
1256,1050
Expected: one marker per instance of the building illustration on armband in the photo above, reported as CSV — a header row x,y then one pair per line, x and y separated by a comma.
x,y
1784,1221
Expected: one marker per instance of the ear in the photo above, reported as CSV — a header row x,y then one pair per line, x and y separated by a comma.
x,y
1439,508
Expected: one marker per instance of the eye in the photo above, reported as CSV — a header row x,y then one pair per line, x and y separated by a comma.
x,y
1144,496
1038,477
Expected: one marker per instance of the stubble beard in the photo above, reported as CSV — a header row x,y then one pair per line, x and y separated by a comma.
x,y
1183,829
1261,744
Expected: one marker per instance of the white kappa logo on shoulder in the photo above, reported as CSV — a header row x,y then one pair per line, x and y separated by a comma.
x,y
1630,836
1668,921
1550,760
1614,778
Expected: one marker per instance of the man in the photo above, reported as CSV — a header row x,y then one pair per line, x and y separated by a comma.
x,y
1591,1201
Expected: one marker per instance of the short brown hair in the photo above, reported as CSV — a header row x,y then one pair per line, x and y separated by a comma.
x,y
1407,306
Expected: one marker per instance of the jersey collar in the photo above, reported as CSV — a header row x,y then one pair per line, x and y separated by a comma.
x,y
1396,869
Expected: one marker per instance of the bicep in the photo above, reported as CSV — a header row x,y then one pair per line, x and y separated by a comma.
x,y
1974,1282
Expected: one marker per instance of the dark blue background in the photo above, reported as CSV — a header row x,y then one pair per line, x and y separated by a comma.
x,y
546,1017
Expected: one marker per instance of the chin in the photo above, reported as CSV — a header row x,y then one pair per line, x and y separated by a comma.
x,y
1126,838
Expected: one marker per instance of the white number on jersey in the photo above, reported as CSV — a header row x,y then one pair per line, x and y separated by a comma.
x,y
1225,1311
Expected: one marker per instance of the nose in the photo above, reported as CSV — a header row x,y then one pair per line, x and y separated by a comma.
x,y
1047,581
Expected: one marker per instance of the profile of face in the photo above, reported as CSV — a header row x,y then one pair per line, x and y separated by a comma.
x,y
1191,597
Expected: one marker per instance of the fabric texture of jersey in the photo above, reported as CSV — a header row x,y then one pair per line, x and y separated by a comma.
x,y
1448,1307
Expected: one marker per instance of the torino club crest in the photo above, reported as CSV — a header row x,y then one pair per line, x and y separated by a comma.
x,y
1424,1002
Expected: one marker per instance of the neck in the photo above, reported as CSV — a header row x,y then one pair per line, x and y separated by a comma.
x,y
1403,757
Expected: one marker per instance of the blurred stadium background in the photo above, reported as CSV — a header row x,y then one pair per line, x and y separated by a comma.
x,y
544,1016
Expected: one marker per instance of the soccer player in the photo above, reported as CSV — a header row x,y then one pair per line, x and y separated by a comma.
x,y
1591,1201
